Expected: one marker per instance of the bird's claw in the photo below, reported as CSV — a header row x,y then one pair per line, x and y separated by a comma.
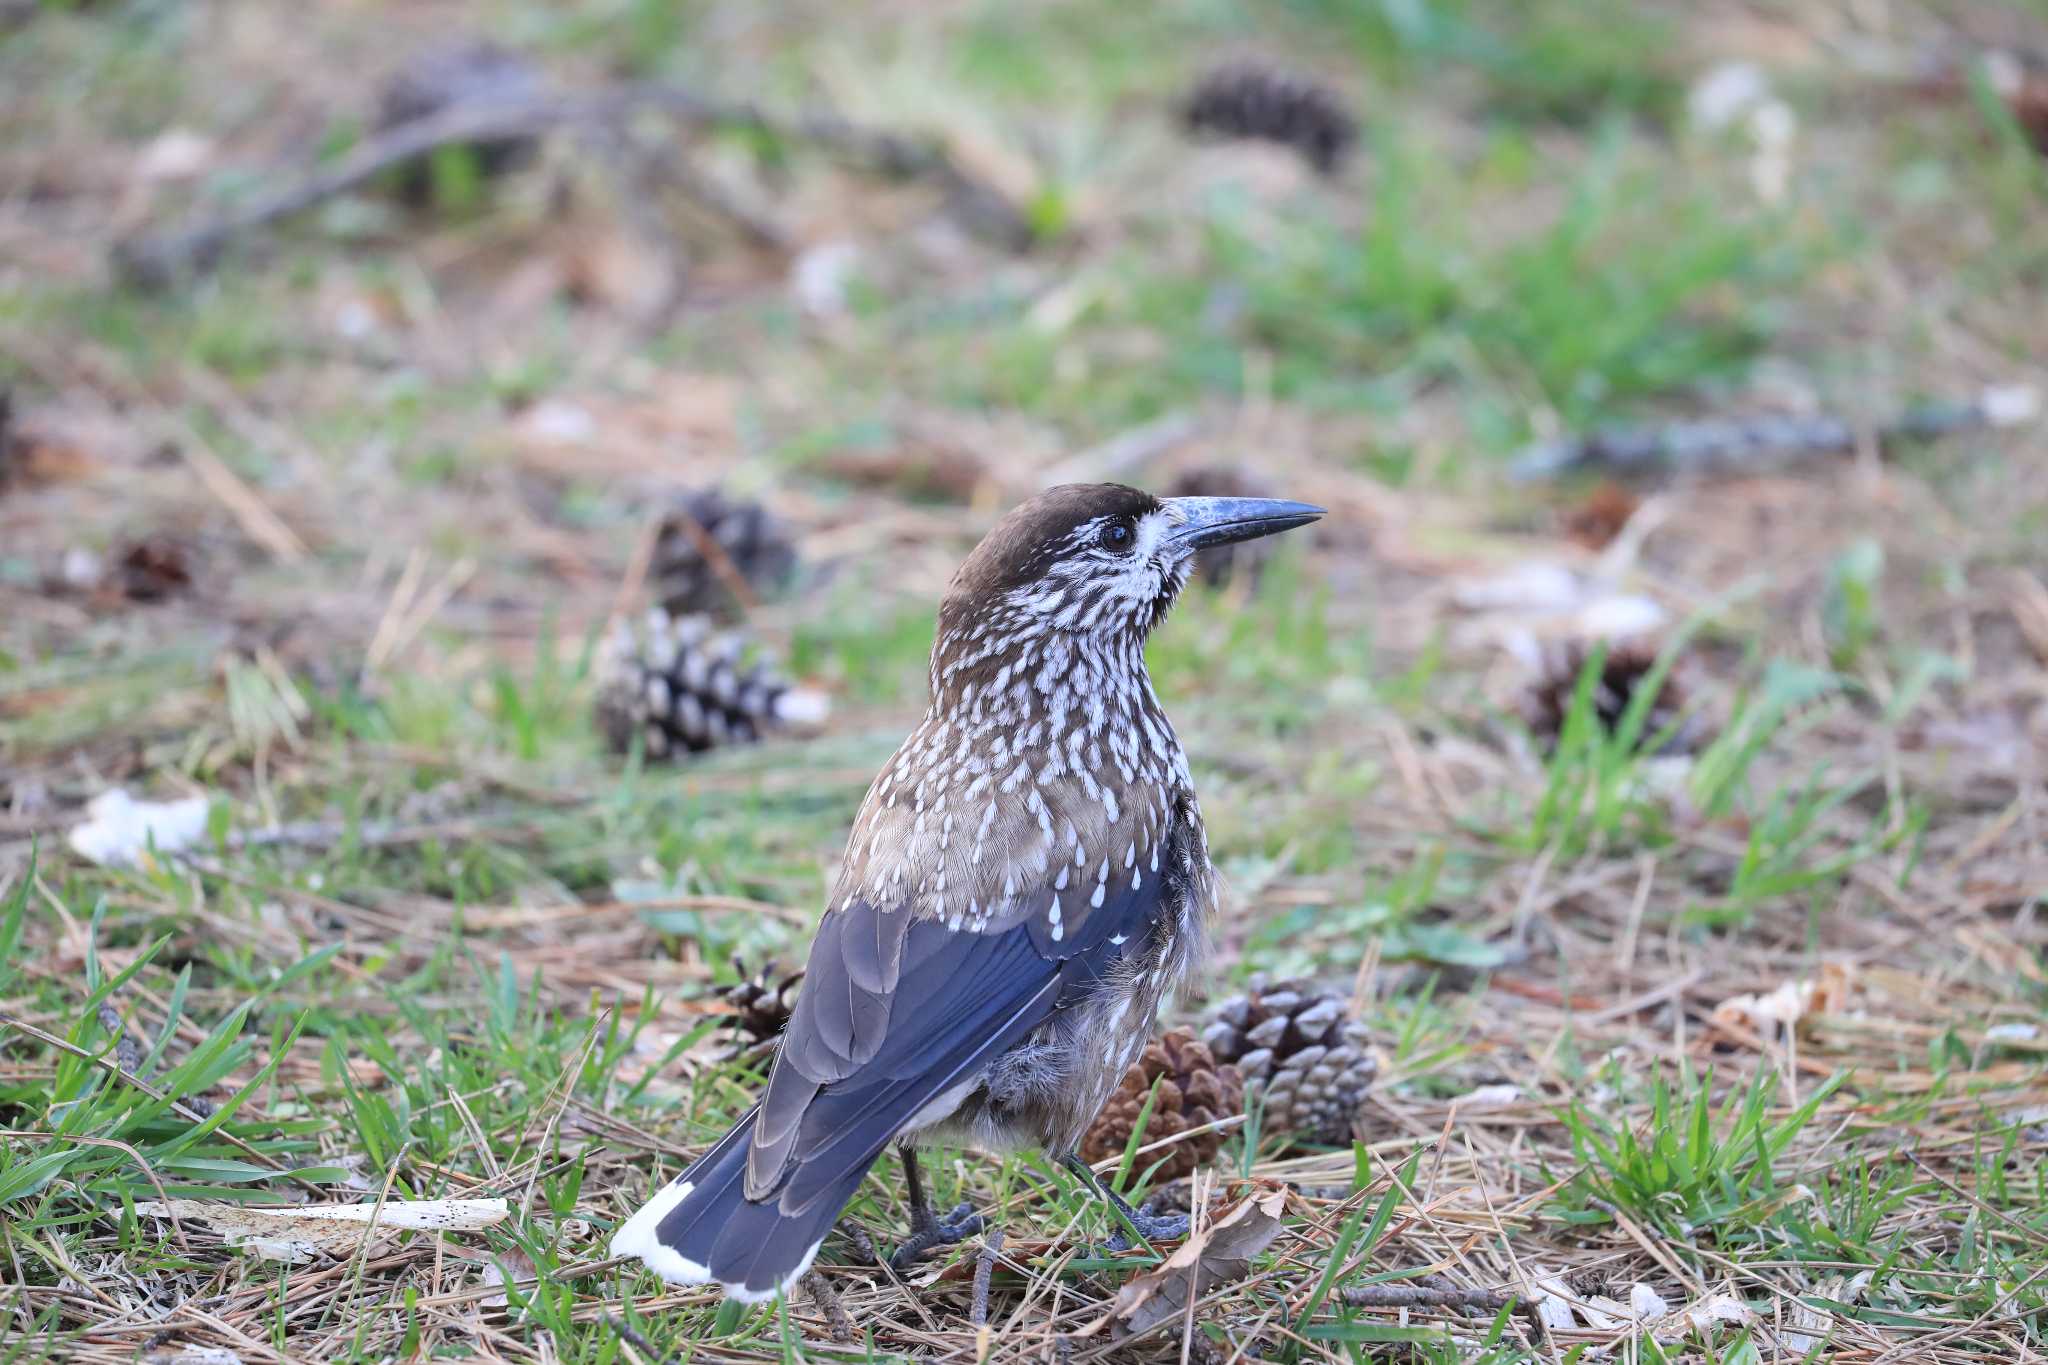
x,y
1153,1227
931,1234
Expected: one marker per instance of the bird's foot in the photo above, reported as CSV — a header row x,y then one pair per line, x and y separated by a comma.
x,y
930,1233
1153,1227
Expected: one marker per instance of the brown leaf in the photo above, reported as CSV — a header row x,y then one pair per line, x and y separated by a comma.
x,y
34,453
520,1267
1597,518
1218,1254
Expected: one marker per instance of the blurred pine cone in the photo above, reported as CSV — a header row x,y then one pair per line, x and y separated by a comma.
x,y
1548,701
761,1006
684,688
1299,1048
1194,1090
709,541
466,75
1257,101
1223,563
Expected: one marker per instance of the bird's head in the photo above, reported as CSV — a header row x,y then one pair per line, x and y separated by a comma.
x,y
1098,558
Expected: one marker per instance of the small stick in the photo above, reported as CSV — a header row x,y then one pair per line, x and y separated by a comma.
x,y
635,1339
984,1271
1741,443
636,570
254,516
156,259
1422,1296
714,554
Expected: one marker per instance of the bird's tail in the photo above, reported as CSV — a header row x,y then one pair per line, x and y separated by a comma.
x,y
701,1228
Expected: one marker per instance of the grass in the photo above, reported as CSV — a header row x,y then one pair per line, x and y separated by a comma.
x,y
438,943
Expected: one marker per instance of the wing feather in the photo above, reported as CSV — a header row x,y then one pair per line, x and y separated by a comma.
x,y
858,1062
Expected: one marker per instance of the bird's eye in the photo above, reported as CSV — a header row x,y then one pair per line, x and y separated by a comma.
x,y
1117,536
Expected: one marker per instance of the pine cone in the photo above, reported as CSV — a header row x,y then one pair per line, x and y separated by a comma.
x,y
1253,100
1222,564
686,689
466,75
1548,701
1300,1049
153,569
761,1006
1193,1090
707,542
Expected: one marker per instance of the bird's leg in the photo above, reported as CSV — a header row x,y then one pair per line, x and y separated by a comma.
x,y
1153,1227
928,1231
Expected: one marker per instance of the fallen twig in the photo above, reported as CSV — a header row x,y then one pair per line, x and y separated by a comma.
x,y
984,1271
1746,442
1423,1296
636,1339
130,1053
128,1049
837,1320
157,258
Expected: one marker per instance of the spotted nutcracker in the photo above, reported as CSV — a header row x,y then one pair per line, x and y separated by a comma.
x,y
1026,881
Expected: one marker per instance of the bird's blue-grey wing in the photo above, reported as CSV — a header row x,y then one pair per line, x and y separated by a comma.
x,y
858,1063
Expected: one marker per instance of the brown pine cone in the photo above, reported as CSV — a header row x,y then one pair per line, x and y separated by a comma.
x,y
1193,1091
712,553
1300,1051
1548,701
1259,101
761,1006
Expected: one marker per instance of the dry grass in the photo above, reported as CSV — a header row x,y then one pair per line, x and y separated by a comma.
x,y
1755,1031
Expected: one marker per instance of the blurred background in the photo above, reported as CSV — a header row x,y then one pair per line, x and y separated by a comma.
x,y
477,478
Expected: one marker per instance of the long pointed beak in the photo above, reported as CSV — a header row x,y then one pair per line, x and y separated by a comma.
x,y
1219,521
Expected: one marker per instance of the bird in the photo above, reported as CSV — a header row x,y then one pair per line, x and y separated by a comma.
x,y
1026,882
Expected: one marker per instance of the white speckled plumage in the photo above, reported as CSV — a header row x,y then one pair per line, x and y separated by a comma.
x,y
1044,720
1027,880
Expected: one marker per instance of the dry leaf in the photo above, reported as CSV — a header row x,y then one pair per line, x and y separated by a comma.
x,y
1553,1305
32,456
1597,518
1791,1002
1713,1310
511,1259
1218,1254
301,1232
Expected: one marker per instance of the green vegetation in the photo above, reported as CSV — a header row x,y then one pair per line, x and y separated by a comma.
x,y
1752,1025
